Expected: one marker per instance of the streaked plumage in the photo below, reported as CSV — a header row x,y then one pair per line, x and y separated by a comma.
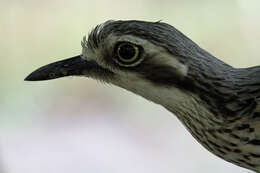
x,y
217,103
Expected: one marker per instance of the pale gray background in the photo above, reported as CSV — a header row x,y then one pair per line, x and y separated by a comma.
x,y
78,125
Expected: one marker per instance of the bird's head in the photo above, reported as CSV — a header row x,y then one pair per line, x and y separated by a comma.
x,y
156,61
151,59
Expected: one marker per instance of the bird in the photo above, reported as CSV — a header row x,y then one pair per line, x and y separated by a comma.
x,y
217,103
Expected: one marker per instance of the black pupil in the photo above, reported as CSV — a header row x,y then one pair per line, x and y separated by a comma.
x,y
127,51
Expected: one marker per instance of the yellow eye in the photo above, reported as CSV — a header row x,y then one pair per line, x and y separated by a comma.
x,y
127,53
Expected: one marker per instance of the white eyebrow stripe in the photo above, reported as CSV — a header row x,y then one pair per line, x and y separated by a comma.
x,y
160,55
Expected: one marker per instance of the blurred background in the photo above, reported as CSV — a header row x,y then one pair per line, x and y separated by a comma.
x,y
80,125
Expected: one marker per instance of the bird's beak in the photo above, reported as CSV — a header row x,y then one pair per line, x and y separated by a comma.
x,y
74,66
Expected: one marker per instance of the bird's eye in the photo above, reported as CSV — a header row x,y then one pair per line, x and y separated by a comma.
x,y
127,54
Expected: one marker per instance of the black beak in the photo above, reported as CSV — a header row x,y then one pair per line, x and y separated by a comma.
x,y
69,67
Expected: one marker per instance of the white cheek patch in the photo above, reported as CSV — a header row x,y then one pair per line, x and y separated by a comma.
x,y
170,60
181,68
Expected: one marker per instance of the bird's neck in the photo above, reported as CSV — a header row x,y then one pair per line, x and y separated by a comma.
x,y
186,105
211,98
